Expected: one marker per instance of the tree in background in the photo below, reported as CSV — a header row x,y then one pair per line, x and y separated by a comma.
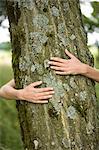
x,y
2,10
92,23
39,30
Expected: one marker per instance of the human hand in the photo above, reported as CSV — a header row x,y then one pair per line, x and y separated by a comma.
x,y
65,67
36,95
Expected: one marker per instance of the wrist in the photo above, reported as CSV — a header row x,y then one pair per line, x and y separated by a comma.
x,y
19,94
84,69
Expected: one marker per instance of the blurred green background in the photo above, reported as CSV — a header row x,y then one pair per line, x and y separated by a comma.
x,y
10,138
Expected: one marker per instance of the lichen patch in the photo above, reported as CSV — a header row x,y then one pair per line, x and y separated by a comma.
x,y
71,112
55,11
40,21
89,128
37,40
83,95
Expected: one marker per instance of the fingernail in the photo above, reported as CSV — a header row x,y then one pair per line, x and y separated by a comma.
x,y
49,62
50,96
51,57
51,66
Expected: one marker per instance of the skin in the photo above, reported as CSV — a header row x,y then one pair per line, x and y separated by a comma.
x,y
73,66
33,94
30,93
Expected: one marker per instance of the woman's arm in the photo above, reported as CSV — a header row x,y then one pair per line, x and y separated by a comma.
x,y
73,66
30,93
91,73
8,91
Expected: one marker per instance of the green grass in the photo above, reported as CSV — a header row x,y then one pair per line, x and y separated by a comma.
x,y
97,91
95,53
10,138
5,46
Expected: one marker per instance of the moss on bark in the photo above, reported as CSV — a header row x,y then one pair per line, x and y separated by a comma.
x,y
39,31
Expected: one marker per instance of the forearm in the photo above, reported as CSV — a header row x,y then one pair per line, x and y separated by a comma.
x,y
90,72
29,93
8,91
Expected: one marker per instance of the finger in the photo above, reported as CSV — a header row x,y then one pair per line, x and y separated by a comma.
x,y
37,101
58,59
57,68
43,89
36,83
40,102
45,97
69,54
62,73
45,94
56,63
39,95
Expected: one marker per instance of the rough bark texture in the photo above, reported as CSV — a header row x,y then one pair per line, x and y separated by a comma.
x,y
41,29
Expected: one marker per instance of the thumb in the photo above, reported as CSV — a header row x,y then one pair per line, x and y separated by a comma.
x,y
69,54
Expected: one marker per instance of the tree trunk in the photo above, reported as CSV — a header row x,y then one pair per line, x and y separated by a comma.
x,y
40,29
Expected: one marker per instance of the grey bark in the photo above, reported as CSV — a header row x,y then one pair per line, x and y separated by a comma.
x,y
40,29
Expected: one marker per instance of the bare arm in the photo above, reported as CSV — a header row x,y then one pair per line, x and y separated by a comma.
x,y
73,66
29,93
8,91
91,73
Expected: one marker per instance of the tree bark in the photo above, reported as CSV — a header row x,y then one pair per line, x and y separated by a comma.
x,y
40,29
